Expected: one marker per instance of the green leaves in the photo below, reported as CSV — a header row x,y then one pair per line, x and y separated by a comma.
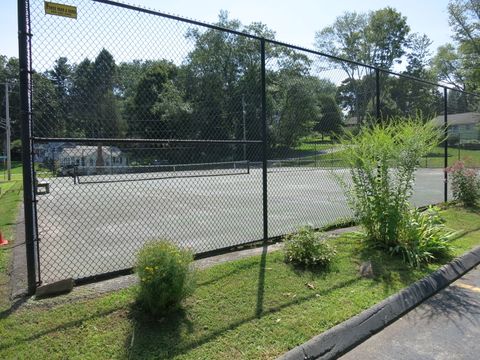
x,y
383,159
378,38
423,238
465,184
165,275
459,64
308,248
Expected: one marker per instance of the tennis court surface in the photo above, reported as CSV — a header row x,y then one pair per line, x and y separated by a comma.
x,y
96,226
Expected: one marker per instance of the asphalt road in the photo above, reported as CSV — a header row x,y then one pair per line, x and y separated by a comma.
x,y
88,229
444,327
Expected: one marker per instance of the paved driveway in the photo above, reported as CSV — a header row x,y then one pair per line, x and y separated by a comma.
x,y
445,327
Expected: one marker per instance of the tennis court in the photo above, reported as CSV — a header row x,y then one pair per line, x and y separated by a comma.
x,y
97,226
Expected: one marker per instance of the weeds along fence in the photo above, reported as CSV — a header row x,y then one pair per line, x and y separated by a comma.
x,y
140,125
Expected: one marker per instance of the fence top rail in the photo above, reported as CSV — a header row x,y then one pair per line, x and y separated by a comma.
x,y
133,140
275,42
178,18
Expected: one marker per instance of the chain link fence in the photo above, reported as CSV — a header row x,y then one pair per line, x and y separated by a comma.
x,y
148,126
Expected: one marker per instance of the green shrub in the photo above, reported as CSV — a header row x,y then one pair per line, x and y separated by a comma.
x,y
166,276
382,160
465,184
423,238
308,248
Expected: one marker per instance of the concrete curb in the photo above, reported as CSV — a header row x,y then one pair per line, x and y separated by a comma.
x,y
343,337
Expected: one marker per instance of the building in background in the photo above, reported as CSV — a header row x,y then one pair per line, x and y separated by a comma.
x,y
463,128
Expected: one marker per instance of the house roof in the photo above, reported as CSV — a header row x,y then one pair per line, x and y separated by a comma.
x,y
81,150
458,119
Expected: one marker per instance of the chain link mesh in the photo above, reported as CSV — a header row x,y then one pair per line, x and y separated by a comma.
x,y
146,126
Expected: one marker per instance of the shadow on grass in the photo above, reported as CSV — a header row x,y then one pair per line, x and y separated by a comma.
x,y
64,326
261,281
389,269
314,272
473,209
227,274
163,339
14,306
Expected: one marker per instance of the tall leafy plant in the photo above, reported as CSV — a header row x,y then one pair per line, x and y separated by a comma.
x,y
382,161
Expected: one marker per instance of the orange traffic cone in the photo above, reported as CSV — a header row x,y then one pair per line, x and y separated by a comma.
x,y
3,241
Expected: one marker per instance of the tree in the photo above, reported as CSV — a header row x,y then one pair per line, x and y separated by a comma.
x,y
128,74
464,18
157,108
222,81
418,55
458,102
355,96
331,117
61,78
299,111
108,120
47,117
458,64
379,38
406,97
448,67
83,115
345,38
386,37
9,74
95,106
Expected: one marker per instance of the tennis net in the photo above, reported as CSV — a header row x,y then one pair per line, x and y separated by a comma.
x,y
300,164
99,174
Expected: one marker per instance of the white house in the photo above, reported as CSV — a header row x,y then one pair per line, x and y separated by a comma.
x,y
87,158
461,127
44,152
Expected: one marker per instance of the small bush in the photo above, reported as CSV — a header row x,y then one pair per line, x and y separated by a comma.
x,y
423,238
465,184
308,248
165,275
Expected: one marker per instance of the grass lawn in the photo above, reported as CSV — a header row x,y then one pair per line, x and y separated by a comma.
x,y
309,145
16,172
436,158
10,198
5,186
433,160
313,143
255,308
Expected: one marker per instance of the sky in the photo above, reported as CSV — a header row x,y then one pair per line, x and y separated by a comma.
x,y
294,21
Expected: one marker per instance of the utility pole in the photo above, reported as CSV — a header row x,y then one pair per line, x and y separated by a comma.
x,y
244,112
7,128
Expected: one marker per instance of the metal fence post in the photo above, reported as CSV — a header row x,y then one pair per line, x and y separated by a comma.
x,y
377,93
264,141
27,149
445,144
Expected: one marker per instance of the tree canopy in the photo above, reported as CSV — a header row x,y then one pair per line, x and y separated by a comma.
x,y
215,91
458,63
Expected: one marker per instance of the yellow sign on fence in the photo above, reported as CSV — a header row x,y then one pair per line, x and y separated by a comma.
x,y
60,10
